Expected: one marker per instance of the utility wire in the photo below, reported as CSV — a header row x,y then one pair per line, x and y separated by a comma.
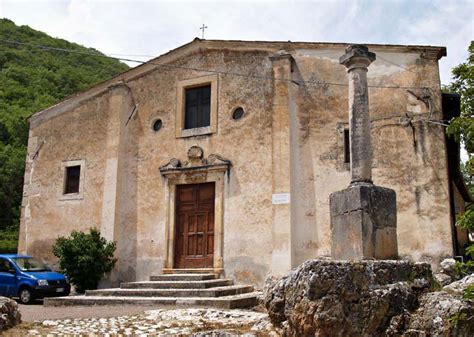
x,y
395,64
299,82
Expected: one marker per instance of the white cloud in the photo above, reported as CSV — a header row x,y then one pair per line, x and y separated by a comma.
x,y
154,27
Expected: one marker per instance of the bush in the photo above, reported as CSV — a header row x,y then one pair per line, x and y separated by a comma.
x,y
85,258
8,240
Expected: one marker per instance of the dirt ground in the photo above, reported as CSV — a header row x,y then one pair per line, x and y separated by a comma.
x,y
37,312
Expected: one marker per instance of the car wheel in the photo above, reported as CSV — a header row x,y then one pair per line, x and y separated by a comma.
x,y
25,296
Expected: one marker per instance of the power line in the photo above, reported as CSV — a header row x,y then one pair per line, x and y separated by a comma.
x,y
212,71
395,64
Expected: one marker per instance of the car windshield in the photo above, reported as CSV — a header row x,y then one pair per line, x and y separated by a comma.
x,y
30,264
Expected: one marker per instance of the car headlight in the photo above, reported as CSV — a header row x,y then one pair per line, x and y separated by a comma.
x,y
67,279
42,282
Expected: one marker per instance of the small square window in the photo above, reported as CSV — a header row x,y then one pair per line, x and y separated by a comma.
x,y
72,179
347,149
197,107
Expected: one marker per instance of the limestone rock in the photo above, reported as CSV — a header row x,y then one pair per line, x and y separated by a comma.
x,y
442,278
447,266
458,287
9,313
343,298
442,314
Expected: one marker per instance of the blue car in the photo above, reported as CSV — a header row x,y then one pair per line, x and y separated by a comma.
x,y
27,278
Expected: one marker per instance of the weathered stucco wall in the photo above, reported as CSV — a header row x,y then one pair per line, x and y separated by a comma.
x,y
247,191
408,157
77,135
128,199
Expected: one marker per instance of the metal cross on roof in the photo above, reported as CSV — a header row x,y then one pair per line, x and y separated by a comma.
x,y
203,28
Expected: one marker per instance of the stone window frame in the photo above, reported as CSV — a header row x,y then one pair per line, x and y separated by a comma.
x,y
73,196
181,104
342,165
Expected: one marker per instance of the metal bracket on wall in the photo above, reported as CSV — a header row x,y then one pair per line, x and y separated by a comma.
x,y
38,150
135,108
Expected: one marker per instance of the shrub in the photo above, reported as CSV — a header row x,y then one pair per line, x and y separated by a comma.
x,y
8,240
85,258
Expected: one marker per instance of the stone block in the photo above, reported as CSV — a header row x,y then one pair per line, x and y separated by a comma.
x,y
364,223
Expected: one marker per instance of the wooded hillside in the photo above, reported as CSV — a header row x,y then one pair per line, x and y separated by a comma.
x,y
31,79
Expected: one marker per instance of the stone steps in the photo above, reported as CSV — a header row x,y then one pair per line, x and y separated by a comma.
x,y
224,302
167,271
141,292
178,289
177,284
183,277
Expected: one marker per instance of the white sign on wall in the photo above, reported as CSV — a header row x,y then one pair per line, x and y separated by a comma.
x,y
280,198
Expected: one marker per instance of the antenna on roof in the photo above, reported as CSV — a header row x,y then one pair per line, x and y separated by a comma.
x,y
203,28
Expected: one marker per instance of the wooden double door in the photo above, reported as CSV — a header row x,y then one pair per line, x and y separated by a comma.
x,y
194,232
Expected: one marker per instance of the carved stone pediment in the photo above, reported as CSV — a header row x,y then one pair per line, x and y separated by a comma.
x,y
196,161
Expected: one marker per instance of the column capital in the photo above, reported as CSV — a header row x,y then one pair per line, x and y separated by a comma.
x,y
357,56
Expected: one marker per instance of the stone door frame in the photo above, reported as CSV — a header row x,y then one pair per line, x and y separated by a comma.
x,y
218,179
196,170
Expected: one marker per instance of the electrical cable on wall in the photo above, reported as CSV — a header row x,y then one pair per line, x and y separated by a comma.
x,y
212,71
427,92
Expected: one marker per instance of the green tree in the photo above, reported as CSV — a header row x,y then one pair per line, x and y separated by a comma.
x,y
462,129
85,258
32,79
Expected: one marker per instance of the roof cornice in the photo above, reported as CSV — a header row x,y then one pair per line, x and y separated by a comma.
x,y
198,45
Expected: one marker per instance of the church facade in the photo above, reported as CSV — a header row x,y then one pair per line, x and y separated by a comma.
x,y
221,155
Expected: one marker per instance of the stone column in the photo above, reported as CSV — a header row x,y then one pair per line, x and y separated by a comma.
x,y
363,216
356,59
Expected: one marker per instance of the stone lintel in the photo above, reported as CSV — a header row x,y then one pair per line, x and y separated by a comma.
x,y
194,169
357,56
196,163
364,223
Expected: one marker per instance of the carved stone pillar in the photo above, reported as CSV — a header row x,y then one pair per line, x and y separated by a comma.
x,y
356,59
363,216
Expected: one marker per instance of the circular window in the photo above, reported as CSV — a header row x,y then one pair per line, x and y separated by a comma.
x,y
238,113
157,125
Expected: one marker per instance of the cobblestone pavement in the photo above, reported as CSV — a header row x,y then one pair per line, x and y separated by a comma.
x,y
161,322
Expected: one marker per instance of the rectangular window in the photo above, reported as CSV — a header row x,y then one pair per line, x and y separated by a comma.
x,y
72,179
347,150
197,107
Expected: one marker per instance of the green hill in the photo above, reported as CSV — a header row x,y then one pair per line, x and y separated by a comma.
x,y
32,79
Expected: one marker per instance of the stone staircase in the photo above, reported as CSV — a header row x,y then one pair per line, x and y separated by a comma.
x,y
178,288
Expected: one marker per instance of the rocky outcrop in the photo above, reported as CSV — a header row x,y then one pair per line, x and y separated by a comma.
x,y
342,298
365,298
460,286
9,313
439,314
447,272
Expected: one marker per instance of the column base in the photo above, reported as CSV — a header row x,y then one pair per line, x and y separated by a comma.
x,y
364,223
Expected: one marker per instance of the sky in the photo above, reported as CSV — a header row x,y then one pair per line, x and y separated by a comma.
x,y
152,28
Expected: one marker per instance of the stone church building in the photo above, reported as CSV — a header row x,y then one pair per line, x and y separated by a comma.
x,y
221,155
